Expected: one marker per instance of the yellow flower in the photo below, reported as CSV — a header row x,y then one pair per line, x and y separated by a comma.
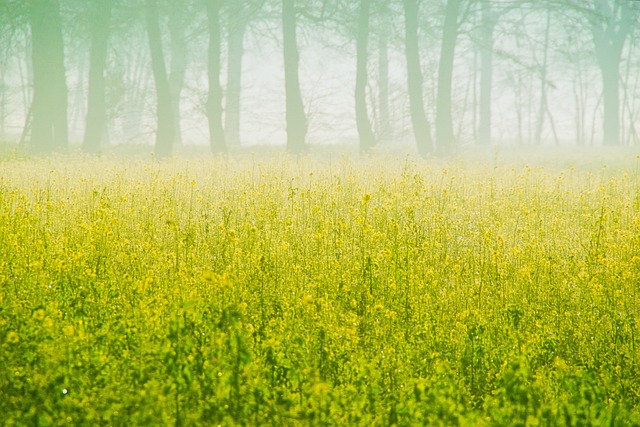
x,y
13,338
48,323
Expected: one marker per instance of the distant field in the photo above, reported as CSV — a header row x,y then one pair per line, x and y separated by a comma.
x,y
501,289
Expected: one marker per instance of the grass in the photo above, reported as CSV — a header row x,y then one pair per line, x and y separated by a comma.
x,y
318,291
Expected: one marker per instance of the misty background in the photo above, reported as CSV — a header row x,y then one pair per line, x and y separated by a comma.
x,y
432,74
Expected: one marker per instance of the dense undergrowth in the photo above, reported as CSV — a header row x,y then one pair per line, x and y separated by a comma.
x,y
316,292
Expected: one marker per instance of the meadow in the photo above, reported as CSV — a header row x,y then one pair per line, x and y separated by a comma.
x,y
318,291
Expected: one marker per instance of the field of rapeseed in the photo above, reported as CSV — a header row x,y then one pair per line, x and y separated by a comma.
x,y
315,292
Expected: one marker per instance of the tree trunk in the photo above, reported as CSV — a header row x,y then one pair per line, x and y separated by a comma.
x,y
444,121
609,54
610,27
235,48
383,88
629,104
214,103
49,107
178,45
611,103
4,60
295,115
25,74
421,127
77,115
165,133
543,83
3,99
96,104
486,73
367,139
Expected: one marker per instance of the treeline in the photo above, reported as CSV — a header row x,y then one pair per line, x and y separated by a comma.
x,y
562,70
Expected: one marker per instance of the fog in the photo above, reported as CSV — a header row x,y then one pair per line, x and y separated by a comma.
x,y
94,75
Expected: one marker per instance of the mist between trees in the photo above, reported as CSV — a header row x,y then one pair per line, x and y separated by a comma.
x,y
438,75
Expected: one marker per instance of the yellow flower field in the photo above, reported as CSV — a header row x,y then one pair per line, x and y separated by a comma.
x,y
309,291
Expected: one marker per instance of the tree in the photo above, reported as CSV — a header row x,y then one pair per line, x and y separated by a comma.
x,y
444,120
4,59
611,22
49,106
630,84
419,121
543,71
367,139
130,79
165,132
178,22
295,115
214,102
388,17
239,15
384,121
489,19
96,104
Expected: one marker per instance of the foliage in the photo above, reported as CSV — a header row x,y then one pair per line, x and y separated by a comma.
x,y
309,292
